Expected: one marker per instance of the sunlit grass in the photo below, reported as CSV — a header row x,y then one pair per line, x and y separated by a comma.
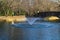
x,y
13,18
52,18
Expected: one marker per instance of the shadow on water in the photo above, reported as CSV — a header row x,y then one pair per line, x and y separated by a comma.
x,y
1,27
9,33
4,26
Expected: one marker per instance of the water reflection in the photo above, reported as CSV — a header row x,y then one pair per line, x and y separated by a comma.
x,y
1,28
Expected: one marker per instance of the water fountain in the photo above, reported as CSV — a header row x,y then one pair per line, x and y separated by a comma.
x,y
32,20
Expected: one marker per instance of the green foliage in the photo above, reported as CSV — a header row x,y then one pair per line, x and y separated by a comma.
x,y
22,12
5,10
1,8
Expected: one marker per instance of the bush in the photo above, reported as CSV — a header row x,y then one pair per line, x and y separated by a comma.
x,y
5,10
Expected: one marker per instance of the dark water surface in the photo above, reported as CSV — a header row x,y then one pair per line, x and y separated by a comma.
x,y
37,31
24,31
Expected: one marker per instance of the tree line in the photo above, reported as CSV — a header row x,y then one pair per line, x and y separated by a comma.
x,y
30,7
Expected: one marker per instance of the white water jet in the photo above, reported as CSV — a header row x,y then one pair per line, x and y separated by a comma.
x,y
31,20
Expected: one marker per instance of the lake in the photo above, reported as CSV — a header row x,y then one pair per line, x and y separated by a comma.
x,y
39,30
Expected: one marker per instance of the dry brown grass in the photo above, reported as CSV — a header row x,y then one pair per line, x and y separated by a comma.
x,y
13,18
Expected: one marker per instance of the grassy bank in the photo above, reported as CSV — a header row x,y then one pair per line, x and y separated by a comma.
x,y
13,18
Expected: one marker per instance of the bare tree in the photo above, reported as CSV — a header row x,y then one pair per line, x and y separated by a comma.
x,y
32,6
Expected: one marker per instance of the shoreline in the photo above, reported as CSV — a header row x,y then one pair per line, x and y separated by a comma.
x,y
13,18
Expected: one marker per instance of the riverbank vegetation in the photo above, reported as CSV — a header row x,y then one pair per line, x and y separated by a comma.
x,y
18,7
